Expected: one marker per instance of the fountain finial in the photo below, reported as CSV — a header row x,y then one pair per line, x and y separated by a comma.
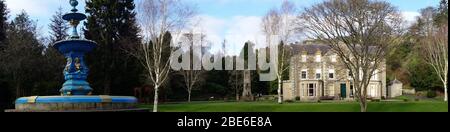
x,y
74,18
74,4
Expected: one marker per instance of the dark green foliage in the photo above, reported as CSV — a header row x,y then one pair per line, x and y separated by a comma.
x,y
53,61
442,15
259,87
216,84
289,101
407,61
422,75
3,23
397,57
58,26
22,56
4,91
112,24
431,94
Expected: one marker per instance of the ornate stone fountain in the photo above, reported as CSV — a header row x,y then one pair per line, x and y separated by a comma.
x,y
76,94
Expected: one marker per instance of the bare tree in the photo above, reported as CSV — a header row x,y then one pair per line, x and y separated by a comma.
x,y
157,19
236,79
435,46
359,31
433,39
279,22
192,77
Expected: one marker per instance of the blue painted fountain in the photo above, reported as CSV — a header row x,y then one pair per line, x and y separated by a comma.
x,y
76,94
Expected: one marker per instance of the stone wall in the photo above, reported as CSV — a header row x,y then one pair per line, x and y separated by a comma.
x,y
395,90
288,91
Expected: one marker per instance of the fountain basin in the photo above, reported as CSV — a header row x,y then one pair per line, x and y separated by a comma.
x,y
76,104
75,45
74,16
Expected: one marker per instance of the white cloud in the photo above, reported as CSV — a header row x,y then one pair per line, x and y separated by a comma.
x,y
243,29
236,31
410,16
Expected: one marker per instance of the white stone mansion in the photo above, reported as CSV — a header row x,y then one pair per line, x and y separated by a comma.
x,y
317,73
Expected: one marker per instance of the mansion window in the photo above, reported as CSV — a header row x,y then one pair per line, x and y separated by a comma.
x,y
331,74
318,58
318,74
333,58
352,91
311,89
372,91
304,74
375,75
350,74
303,58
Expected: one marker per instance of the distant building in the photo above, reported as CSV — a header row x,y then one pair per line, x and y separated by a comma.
x,y
316,72
395,89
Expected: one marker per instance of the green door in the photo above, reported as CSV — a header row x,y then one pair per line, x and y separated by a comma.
x,y
343,90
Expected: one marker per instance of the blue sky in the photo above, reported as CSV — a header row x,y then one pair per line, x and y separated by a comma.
x,y
219,17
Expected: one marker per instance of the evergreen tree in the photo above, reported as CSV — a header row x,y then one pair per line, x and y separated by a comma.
x,y
21,58
3,23
442,13
4,93
54,61
112,24
58,26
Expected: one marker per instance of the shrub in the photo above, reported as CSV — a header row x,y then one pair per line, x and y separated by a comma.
x,y
297,98
406,100
289,101
417,99
431,94
376,100
319,101
327,98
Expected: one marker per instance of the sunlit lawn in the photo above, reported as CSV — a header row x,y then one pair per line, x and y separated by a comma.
x,y
396,106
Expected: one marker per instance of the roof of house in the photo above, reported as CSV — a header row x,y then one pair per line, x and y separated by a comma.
x,y
396,82
310,49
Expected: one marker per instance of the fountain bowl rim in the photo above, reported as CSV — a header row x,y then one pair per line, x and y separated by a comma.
x,y
76,99
74,16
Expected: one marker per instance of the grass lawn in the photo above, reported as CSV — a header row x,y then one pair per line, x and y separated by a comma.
x,y
422,106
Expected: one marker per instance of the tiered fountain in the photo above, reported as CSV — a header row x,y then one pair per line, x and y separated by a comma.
x,y
76,94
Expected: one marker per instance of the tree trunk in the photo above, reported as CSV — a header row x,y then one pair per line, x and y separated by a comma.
x,y
280,101
237,94
107,86
18,91
446,92
363,105
155,101
189,96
